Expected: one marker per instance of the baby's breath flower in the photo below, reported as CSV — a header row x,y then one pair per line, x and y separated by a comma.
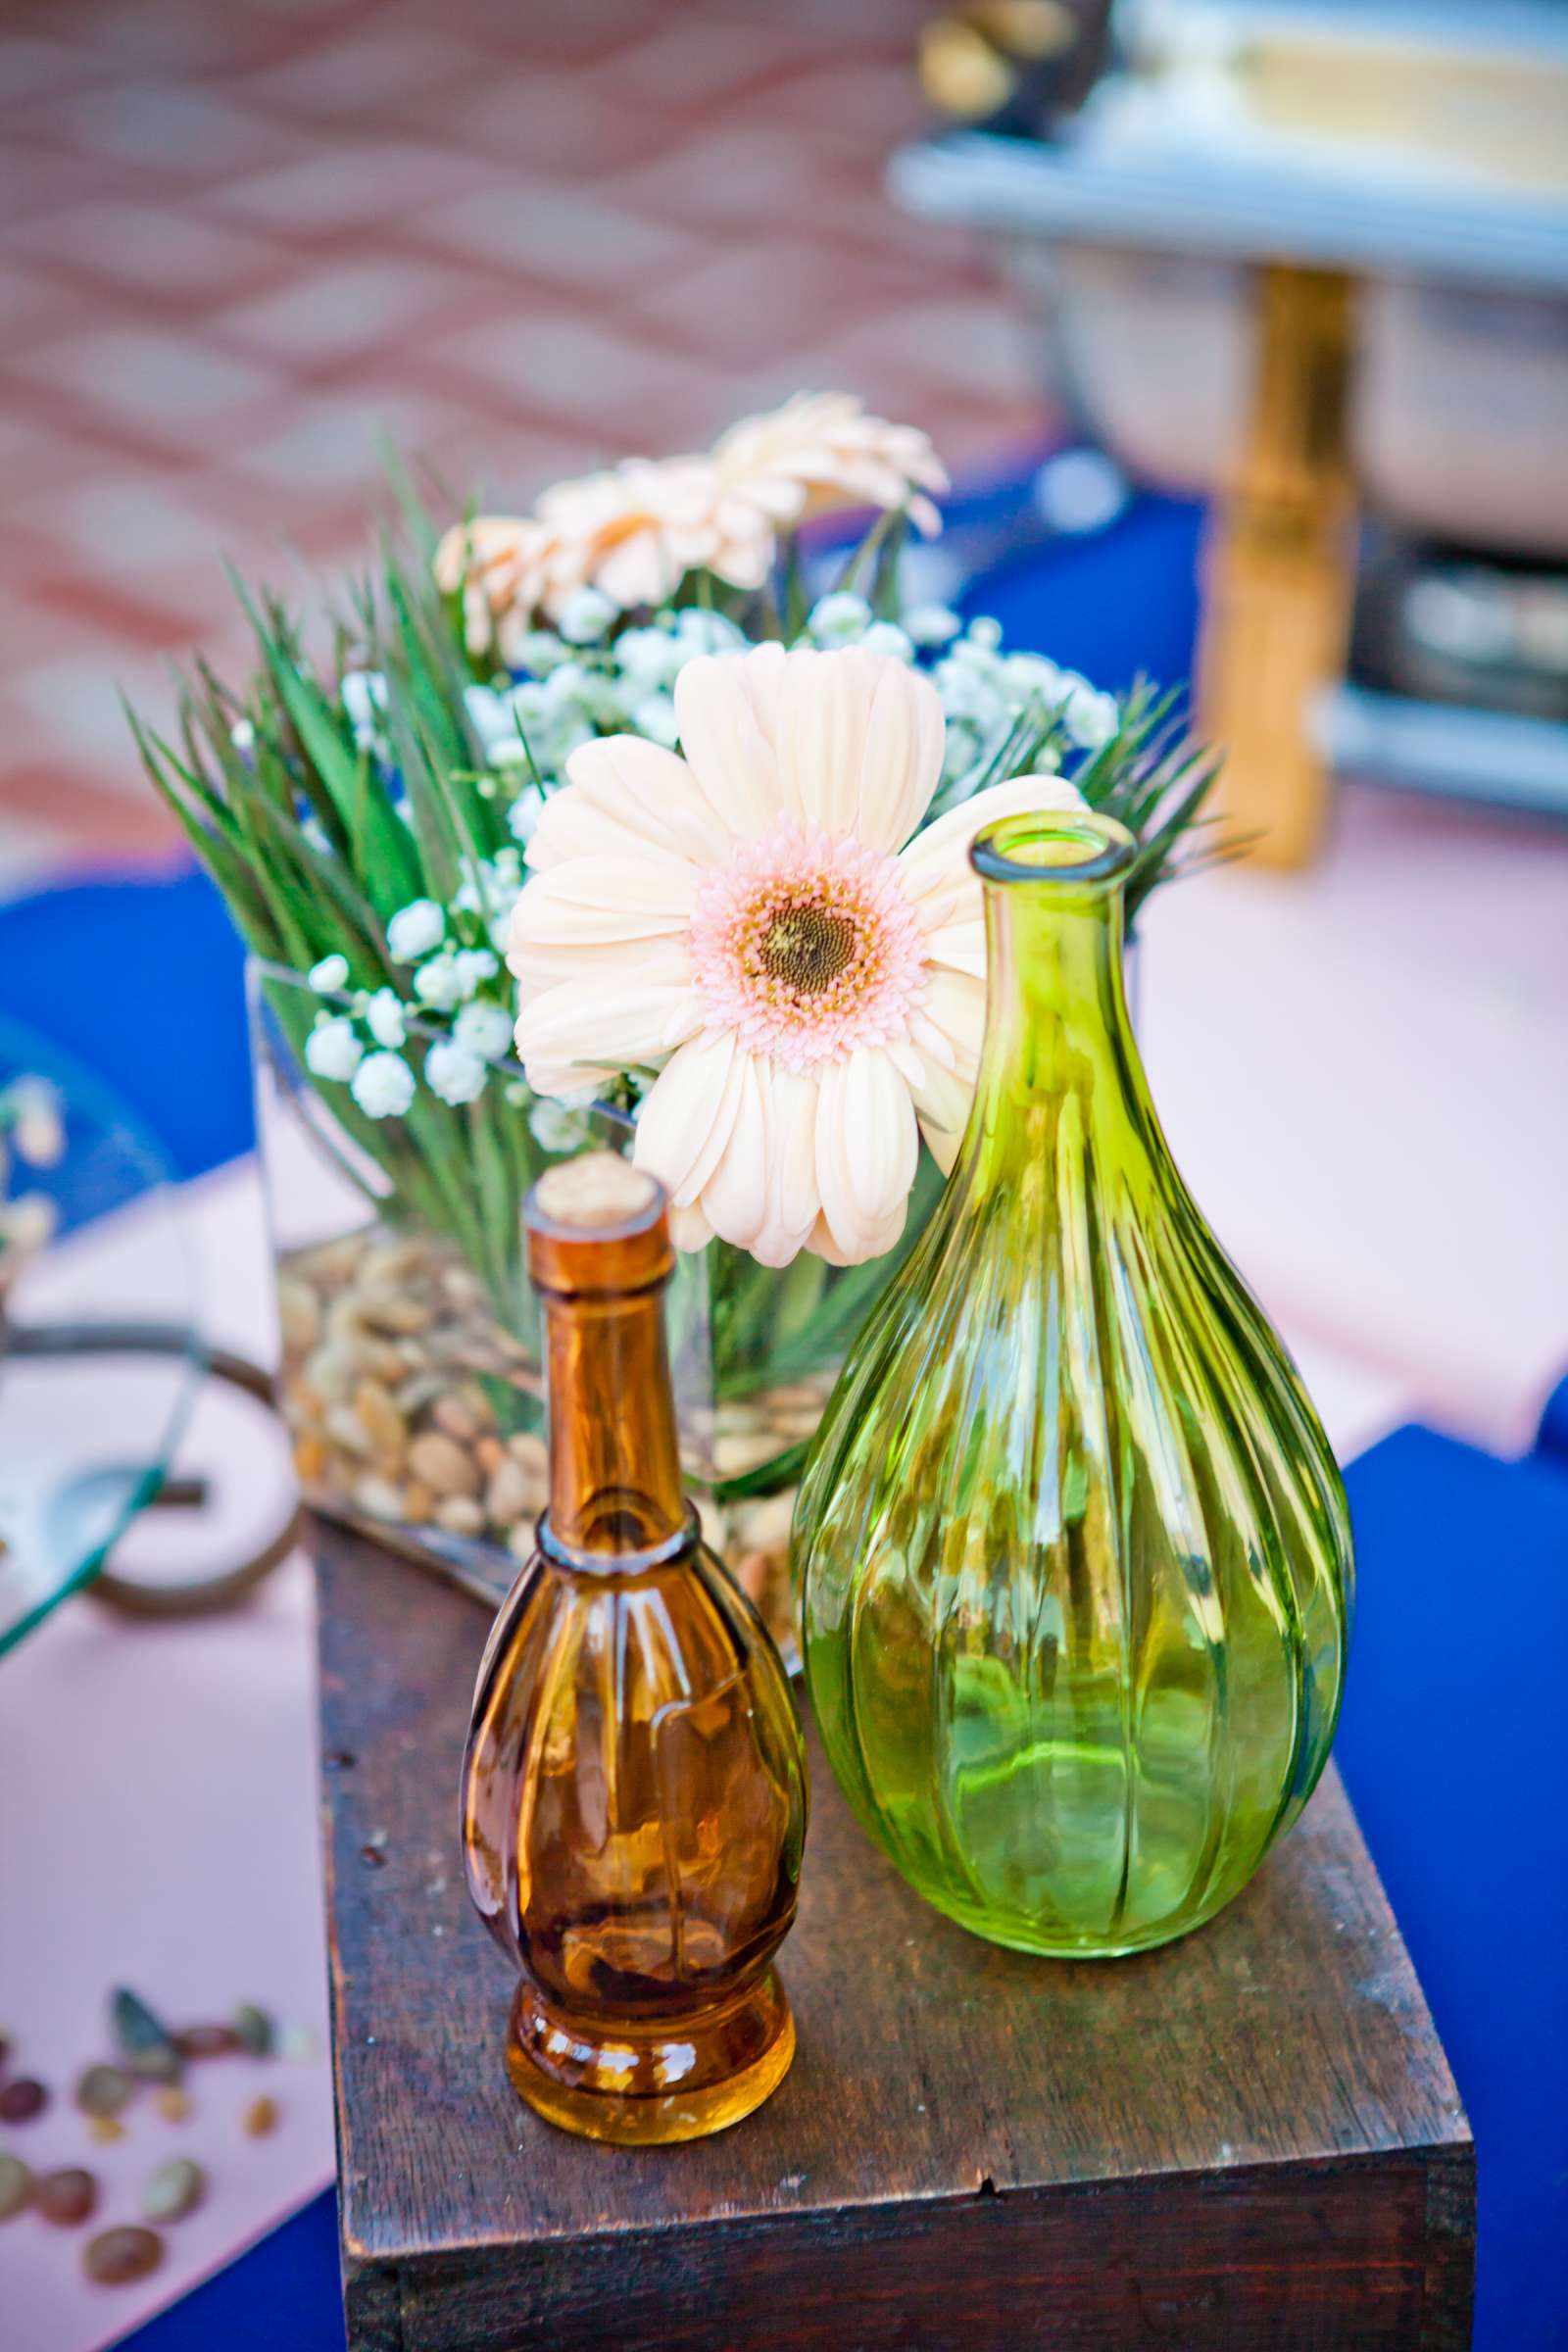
x,y
584,615
415,930
886,637
708,632
968,693
537,651
491,718
508,751
382,1085
453,1072
574,694
438,983
484,1029
841,618
385,1020
526,812
962,751
655,718
985,632
559,1126
473,966
332,1050
931,625
650,658
330,975
363,694
1091,718
1037,678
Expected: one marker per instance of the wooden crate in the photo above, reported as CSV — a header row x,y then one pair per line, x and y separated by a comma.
x,y
1246,2140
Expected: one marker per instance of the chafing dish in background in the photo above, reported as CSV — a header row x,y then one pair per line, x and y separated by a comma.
x,y
1313,261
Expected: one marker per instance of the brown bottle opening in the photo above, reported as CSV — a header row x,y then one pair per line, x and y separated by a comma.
x,y
600,1254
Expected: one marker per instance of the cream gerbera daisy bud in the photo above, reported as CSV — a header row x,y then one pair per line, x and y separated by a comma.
x,y
758,923
615,541
633,533
498,564
821,451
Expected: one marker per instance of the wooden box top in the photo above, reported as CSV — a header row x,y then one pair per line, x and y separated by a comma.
x,y
931,2067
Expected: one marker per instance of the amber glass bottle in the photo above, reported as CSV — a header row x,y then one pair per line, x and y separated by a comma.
x,y
634,1788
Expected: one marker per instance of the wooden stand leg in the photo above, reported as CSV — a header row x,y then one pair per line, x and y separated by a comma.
x,y
1279,568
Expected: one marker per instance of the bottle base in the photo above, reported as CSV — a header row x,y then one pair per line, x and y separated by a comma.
x,y
653,2086
1042,1944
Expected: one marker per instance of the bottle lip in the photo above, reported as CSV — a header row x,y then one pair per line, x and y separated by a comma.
x,y
596,1226
1053,849
559,1554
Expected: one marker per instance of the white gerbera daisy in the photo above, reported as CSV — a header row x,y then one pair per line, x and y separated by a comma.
x,y
754,922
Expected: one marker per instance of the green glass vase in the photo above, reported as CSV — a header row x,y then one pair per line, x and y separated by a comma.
x,y
1074,1551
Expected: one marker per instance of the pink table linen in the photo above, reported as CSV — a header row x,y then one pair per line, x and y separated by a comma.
x,y
157,1830
1363,1072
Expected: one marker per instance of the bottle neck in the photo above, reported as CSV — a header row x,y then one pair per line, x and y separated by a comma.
x,y
1056,998
614,1463
1057,1020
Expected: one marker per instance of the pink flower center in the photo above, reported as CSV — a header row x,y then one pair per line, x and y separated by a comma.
x,y
807,947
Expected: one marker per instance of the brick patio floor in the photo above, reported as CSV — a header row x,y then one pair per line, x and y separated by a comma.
x,y
244,240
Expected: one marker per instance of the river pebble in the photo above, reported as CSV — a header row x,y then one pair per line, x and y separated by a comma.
x,y
459,1515
255,2029
66,2197
117,2257
21,2098
103,2089
379,1415
440,1463
397,1311
206,2041
511,1494
298,1315
456,1418
378,1499
145,2042
173,2190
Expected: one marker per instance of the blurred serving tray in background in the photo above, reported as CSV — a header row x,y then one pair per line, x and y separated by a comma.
x,y
1415,155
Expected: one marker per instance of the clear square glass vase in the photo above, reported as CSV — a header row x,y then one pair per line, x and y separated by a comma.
x,y
410,1368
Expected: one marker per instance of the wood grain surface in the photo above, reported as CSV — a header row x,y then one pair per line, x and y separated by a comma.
x,y
1247,2138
